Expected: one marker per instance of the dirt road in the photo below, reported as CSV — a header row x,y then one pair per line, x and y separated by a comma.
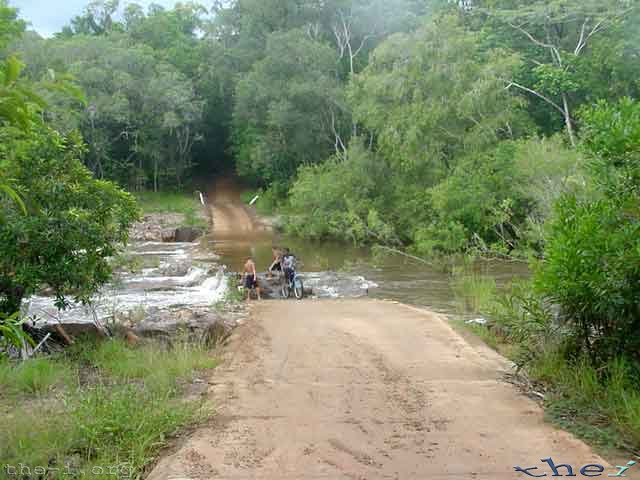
x,y
229,215
364,389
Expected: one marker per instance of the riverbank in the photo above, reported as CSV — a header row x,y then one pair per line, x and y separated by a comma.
x,y
164,281
600,406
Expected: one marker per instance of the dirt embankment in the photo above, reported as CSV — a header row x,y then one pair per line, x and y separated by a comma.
x,y
364,389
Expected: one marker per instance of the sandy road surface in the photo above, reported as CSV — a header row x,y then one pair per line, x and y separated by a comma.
x,y
362,389
229,214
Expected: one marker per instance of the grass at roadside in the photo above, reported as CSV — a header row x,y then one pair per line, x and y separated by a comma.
x,y
98,408
601,406
171,202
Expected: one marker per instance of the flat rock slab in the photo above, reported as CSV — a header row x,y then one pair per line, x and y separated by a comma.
x,y
170,323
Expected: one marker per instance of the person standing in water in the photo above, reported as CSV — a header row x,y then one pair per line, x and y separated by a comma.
x,y
251,278
276,265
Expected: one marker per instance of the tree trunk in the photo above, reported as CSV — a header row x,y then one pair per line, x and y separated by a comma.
x,y
567,120
155,174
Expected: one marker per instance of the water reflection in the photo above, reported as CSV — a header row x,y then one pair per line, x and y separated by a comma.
x,y
396,277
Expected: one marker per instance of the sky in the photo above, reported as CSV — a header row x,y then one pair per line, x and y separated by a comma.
x,y
49,16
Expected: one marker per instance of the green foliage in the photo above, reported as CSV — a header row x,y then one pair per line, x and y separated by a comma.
x,y
283,106
599,405
558,39
18,101
74,222
435,95
591,260
10,26
525,320
591,270
36,376
612,137
342,199
142,117
11,333
114,406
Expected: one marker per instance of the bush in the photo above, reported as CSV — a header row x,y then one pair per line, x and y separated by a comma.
x,y
342,198
592,271
592,260
74,223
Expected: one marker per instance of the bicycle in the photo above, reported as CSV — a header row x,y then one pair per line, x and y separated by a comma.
x,y
294,283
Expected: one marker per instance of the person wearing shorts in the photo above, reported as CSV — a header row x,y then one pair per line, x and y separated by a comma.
x,y
251,278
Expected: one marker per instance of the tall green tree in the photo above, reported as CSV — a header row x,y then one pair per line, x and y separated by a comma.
x,y
143,116
555,36
288,108
61,225
434,95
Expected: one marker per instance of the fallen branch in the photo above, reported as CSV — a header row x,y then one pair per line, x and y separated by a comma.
x,y
404,254
63,334
42,342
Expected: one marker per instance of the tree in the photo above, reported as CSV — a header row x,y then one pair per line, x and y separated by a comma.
x,y
591,268
559,32
98,19
10,26
142,117
436,94
287,110
61,225
74,222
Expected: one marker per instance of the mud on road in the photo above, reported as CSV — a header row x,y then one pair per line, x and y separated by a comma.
x,y
363,389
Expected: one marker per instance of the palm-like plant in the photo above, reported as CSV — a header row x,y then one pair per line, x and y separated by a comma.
x,y
18,107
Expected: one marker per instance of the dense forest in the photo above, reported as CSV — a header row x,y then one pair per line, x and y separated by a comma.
x,y
441,126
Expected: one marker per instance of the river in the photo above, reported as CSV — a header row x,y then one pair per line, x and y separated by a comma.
x,y
390,276
171,276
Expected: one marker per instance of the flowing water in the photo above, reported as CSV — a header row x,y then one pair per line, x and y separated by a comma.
x,y
166,276
390,276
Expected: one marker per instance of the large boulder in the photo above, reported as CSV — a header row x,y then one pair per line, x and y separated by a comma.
x,y
187,234
191,322
165,227
168,235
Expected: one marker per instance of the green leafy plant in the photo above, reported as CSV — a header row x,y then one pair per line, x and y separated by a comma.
x,y
11,332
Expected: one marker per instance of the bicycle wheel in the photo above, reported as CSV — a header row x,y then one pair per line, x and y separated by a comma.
x,y
298,288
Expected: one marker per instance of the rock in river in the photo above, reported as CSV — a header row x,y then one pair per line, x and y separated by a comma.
x,y
198,322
